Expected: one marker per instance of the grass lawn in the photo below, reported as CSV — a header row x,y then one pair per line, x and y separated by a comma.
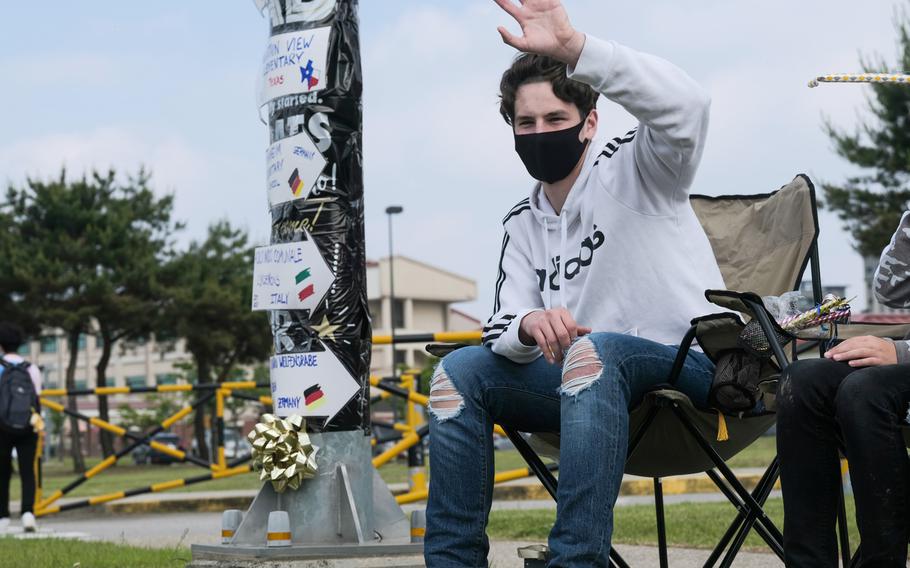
x,y
126,475
759,454
67,553
691,525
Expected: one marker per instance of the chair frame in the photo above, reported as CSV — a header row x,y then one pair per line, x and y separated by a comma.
x,y
751,515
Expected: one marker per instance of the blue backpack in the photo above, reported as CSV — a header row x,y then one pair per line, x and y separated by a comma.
x,y
17,396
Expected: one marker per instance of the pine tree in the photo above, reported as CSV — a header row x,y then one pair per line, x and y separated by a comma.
x,y
870,205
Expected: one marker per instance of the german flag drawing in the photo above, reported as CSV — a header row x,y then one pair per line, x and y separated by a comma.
x,y
296,183
313,397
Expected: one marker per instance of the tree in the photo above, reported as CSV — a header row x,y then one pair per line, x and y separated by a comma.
x,y
85,253
48,260
870,205
209,297
135,243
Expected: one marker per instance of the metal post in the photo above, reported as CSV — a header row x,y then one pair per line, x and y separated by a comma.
x,y
417,475
392,210
661,522
312,282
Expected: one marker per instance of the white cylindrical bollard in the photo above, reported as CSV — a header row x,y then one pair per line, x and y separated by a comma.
x,y
418,525
279,532
230,520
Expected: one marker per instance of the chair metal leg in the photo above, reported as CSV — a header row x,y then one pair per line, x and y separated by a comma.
x,y
761,492
617,560
661,522
765,528
534,462
734,527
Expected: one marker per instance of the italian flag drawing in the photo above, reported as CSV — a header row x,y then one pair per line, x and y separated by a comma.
x,y
301,279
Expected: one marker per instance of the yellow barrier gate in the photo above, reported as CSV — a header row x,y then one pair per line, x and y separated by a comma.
x,y
409,434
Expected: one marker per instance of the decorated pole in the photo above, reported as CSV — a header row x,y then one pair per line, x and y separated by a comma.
x,y
312,278
320,495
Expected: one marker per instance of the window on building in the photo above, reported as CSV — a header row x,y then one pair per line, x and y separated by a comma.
x,y
49,344
24,348
81,384
83,339
398,314
135,381
165,379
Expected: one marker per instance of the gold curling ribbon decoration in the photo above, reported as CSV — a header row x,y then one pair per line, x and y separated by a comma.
x,y
283,452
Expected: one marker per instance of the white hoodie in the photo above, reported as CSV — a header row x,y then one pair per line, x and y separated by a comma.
x,y
638,262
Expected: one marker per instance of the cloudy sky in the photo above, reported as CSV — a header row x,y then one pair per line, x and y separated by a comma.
x,y
171,85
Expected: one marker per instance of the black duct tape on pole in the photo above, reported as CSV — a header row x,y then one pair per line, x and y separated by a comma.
x,y
312,278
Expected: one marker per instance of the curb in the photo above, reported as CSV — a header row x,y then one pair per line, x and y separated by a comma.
x,y
509,492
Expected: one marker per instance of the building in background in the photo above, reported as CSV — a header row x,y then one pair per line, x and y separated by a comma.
x,y
424,295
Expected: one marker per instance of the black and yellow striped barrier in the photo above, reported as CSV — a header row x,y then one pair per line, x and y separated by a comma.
x,y
441,337
154,488
145,439
219,468
407,435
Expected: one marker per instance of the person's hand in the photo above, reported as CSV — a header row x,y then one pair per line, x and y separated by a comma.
x,y
552,330
864,351
546,30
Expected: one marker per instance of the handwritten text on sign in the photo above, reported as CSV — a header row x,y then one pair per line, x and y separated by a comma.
x,y
291,276
294,63
293,166
310,384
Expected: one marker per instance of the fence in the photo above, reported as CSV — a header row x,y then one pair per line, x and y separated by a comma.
x,y
408,436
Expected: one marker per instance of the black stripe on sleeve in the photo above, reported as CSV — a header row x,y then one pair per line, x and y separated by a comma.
x,y
500,280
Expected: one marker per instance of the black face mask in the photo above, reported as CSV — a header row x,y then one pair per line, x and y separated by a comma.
x,y
551,156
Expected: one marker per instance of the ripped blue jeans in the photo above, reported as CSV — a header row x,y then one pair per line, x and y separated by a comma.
x,y
587,400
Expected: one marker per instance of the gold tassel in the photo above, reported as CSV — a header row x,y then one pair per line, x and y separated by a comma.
x,y
722,434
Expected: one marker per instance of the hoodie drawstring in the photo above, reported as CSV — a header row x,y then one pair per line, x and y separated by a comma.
x,y
564,229
546,264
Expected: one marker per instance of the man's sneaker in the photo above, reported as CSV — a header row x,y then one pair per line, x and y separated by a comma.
x,y
28,522
4,525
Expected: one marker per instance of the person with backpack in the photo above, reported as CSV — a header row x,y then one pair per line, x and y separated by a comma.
x,y
20,383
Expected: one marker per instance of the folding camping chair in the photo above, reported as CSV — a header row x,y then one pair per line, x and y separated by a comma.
x,y
763,244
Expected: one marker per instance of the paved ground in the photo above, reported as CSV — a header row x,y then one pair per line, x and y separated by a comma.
x,y
203,528
183,529
186,525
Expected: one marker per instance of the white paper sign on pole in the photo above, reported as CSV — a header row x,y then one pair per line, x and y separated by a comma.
x,y
291,276
293,165
294,63
310,384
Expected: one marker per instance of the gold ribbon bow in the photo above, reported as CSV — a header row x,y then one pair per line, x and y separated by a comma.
x,y
283,452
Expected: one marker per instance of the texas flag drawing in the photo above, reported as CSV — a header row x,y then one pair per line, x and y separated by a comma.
x,y
306,75
301,278
296,183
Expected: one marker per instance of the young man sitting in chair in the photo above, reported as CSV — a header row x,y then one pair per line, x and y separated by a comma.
x,y
855,400
602,268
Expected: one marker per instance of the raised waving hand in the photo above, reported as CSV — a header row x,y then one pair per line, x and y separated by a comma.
x,y
545,28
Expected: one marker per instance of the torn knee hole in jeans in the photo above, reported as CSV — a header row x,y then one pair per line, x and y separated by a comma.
x,y
581,368
445,400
